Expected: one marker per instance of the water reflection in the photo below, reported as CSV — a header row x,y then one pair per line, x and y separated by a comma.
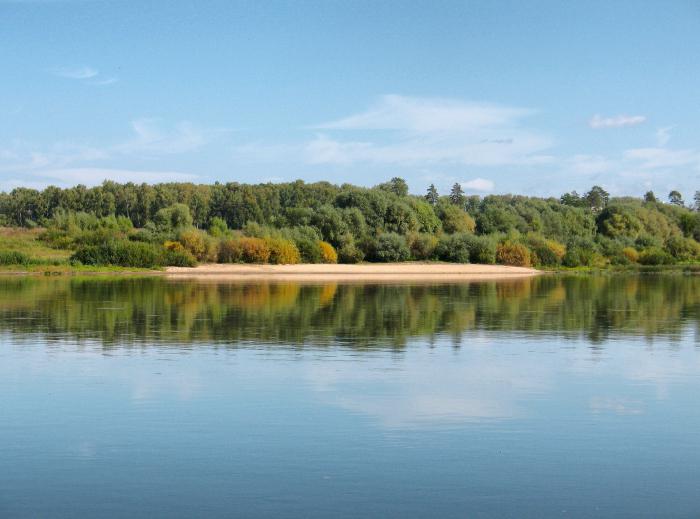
x,y
147,397
123,311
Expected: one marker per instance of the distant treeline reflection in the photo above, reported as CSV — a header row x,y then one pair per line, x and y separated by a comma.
x,y
126,311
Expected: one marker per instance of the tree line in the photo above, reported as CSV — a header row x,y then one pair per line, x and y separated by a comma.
x,y
182,223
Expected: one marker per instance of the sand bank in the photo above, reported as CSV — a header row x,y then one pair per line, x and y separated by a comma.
x,y
357,273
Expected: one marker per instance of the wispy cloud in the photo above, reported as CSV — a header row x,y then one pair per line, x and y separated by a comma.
x,y
619,121
82,72
663,135
478,184
424,130
150,137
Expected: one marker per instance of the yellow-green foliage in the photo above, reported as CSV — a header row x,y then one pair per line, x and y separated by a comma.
x,y
455,220
255,250
328,253
516,254
28,241
175,246
230,251
193,241
283,252
631,254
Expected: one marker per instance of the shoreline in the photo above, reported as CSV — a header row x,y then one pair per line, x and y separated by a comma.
x,y
358,272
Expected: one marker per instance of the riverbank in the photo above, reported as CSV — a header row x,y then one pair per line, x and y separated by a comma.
x,y
409,271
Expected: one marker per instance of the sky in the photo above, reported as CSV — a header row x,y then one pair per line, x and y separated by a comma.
x,y
536,98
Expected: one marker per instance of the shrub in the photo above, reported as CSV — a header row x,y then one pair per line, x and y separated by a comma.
x,y
328,253
631,254
454,248
467,248
545,252
510,253
121,253
581,253
682,249
230,251
178,258
283,252
8,257
309,250
218,227
422,246
391,247
350,253
194,242
254,250
655,256
455,219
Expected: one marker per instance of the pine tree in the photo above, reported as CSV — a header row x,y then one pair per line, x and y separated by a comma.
x,y
432,196
456,194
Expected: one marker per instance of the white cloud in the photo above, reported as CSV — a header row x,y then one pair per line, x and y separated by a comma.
x,y
478,184
82,72
428,130
663,158
428,115
618,121
104,82
151,138
93,176
663,135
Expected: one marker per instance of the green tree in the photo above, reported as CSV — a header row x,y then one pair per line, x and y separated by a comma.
x,y
457,194
432,195
597,199
649,196
675,198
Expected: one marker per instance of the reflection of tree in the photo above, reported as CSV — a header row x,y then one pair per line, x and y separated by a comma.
x,y
137,310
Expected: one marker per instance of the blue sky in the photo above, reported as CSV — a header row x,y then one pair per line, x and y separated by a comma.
x,y
524,97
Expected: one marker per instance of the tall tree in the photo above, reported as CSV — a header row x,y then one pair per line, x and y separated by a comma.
x,y
696,199
597,198
675,198
432,195
649,196
457,194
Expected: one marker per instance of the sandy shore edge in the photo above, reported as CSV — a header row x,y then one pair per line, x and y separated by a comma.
x,y
361,272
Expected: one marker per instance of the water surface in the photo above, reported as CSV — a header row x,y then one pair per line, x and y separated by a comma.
x,y
541,397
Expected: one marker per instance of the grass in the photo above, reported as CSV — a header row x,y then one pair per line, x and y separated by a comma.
x,y
44,259
27,241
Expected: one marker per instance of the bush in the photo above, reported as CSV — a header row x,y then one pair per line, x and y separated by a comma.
x,y
510,253
454,248
328,253
194,242
631,254
121,253
682,249
309,250
545,252
283,252
350,253
14,258
422,246
255,250
391,247
178,258
230,251
455,220
218,227
655,256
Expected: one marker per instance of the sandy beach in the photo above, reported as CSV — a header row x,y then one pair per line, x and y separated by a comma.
x,y
360,273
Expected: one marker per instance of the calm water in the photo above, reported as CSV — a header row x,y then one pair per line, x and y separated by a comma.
x,y
548,397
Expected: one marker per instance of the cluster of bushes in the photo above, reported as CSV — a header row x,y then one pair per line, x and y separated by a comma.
x,y
321,222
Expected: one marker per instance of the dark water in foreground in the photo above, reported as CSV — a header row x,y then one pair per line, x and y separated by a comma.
x,y
574,397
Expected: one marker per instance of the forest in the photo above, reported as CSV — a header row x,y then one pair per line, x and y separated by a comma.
x,y
183,224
